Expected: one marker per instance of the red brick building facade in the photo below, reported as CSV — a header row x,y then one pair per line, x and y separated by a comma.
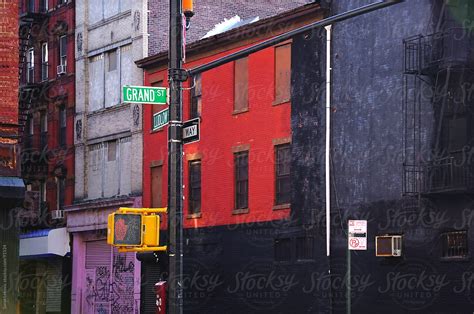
x,y
47,91
242,109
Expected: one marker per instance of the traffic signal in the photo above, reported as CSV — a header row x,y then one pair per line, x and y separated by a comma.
x,y
135,229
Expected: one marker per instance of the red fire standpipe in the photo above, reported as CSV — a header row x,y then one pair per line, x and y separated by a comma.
x,y
160,289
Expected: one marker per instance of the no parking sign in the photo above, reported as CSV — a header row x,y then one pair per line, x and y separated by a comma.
x,y
357,239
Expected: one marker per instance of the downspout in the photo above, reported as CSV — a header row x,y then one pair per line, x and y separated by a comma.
x,y
328,139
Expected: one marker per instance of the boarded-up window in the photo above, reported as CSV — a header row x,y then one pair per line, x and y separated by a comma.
x,y
195,108
241,85
282,73
156,187
112,58
111,150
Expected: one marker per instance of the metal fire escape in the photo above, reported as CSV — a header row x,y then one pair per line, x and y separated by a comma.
x,y
438,114
31,90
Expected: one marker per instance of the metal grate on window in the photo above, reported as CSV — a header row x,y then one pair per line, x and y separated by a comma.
x,y
282,249
304,248
282,174
454,244
194,186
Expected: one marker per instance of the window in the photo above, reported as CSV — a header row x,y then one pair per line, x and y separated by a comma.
x,y
194,187
63,51
112,150
31,125
455,244
62,126
44,61
42,197
282,248
304,248
282,73
241,85
31,5
196,94
43,5
241,180
61,187
30,65
282,174
112,59
44,129
156,186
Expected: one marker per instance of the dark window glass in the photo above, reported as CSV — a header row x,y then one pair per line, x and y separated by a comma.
x,y
455,244
194,187
241,180
44,130
196,97
282,249
61,192
282,174
62,126
304,248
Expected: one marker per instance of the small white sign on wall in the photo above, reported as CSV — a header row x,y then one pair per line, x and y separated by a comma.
x,y
357,239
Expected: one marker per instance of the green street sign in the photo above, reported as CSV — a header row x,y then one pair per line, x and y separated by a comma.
x,y
144,95
160,119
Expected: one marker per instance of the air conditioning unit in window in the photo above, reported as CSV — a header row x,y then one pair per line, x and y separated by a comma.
x,y
388,245
61,69
57,214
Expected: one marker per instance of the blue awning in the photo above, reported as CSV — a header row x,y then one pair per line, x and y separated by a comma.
x,y
43,243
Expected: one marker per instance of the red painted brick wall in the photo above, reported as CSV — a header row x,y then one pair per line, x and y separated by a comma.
x,y
220,131
8,61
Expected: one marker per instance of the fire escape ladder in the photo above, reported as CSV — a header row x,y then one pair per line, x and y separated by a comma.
x,y
445,93
24,102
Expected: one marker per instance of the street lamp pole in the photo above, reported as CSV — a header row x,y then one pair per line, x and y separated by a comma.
x,y
176,76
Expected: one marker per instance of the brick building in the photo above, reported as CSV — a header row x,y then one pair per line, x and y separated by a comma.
x,y
46,104
11,186
237,176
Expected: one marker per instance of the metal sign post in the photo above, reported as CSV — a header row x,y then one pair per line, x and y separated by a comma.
x,y
175,162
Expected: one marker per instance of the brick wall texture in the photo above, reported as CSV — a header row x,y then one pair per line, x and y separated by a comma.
x,y
8,61
207,14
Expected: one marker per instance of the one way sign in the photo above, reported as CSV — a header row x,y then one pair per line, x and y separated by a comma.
x,y
191,131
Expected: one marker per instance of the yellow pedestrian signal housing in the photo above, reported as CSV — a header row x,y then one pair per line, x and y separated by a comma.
x,y
135,229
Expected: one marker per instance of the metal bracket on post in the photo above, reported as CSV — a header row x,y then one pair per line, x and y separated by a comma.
x,y
180,75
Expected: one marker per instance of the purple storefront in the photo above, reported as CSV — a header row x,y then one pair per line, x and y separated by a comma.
x,y
104,281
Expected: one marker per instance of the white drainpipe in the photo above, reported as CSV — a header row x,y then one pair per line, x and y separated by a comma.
x,y
328,139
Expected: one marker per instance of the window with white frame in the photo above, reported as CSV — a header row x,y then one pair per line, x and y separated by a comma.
x,y
30,65
44,61
63,51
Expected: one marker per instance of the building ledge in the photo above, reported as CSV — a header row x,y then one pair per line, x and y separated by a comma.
x,y
105,203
